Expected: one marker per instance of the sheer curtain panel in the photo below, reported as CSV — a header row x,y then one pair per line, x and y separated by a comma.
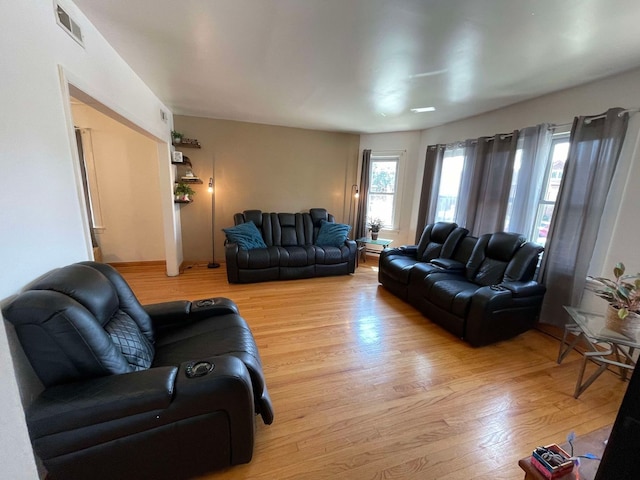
x,y
534,143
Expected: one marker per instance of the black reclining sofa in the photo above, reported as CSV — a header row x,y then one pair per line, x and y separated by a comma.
x,y
291,251
163,391
479,289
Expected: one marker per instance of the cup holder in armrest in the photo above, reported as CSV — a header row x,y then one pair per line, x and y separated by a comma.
x,y
207,302
199,369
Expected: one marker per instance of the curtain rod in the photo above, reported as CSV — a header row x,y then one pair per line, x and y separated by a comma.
x,y
620,114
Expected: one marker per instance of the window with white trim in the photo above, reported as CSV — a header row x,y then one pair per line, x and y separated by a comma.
x,y
550,187
382,201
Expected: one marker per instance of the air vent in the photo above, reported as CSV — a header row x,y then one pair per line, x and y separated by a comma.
x,y
68,24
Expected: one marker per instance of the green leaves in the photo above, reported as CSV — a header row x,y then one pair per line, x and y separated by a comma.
x,y
621,293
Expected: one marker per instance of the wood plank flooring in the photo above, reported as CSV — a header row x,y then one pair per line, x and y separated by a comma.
x,y
365,387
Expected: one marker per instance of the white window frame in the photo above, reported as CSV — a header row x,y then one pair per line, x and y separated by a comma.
x,y
398,158
558,137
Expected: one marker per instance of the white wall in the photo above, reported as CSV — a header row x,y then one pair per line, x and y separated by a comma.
x,y
410,142
128,186
41,217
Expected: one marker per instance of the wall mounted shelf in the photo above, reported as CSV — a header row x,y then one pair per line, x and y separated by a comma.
x,y
187,145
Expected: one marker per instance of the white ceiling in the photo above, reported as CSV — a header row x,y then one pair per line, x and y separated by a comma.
x,y
361,65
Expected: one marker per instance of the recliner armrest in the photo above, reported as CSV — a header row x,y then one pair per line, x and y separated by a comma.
x,y
405,250
448,264
167,314
524,289
411,250
89,402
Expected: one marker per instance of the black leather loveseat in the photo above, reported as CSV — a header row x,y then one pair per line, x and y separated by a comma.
x,y
290,250
479,289
164,391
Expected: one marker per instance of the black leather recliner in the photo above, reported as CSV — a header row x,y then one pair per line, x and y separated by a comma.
x,y
494,298
438,241
165,391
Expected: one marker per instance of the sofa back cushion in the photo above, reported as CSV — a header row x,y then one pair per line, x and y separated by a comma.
x,y
491,256
524,263
439,240
286,229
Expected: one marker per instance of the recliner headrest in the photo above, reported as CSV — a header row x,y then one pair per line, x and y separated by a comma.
x,y
441,231
503,245
85,285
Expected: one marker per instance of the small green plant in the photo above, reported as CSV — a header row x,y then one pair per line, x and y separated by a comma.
x,y
622,293
375,224
182,189
176,136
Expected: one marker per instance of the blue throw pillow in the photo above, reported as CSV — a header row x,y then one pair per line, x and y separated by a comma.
x,y
246,235
332,234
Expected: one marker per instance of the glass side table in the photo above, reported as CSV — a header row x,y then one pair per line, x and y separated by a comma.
x,y
362,246
605,347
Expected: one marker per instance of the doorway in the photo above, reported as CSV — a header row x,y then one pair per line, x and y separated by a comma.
x,y
130,214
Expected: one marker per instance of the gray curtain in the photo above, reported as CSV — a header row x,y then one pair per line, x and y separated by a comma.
x,y
593,154
430,183
535,144
361,216
487,178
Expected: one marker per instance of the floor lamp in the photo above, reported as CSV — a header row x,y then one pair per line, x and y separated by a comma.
x,y
355,193
213,263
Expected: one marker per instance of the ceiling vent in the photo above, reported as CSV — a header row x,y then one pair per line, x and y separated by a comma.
x,y
68,24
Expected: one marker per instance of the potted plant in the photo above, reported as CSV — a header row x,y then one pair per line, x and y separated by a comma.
x,y
623,295
183,191
176,137
375,224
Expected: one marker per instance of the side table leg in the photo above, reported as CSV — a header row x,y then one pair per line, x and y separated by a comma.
x,y
569,328
602,366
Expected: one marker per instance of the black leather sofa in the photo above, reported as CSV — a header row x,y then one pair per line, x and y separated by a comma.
x,y
290,252
439,240
164,391
481,289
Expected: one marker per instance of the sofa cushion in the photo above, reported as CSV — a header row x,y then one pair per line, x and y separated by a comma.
x,y
453,295
246,235
259,257
332,234
398,267
296,256
331,255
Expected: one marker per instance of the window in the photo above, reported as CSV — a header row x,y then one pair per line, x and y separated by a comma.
x,y
449,188
550,187
383,189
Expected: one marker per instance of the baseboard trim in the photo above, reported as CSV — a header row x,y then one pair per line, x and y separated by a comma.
x,y
137,264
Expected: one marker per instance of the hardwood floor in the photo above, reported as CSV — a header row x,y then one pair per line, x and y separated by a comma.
x,y
365,387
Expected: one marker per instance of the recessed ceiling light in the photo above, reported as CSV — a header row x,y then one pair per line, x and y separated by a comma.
x,y
423,109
